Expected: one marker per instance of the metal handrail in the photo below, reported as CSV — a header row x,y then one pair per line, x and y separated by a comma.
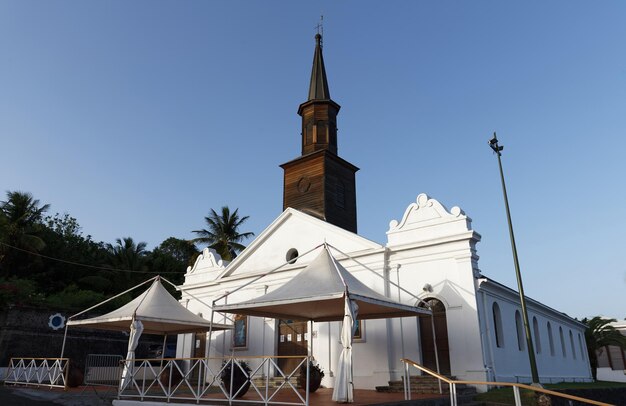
x,y
47,372
200,380
516,386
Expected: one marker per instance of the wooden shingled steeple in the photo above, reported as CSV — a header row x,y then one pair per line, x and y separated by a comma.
x,y
319,182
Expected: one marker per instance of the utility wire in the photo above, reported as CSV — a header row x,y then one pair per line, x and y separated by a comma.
x,y
79,264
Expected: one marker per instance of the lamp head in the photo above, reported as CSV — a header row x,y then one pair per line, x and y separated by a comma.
x,y
493,143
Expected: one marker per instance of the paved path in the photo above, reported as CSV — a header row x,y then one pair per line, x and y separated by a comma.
x,y
23,396
31,396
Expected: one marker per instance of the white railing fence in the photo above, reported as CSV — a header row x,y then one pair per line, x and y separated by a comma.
x,y
453,386
50,372
205,380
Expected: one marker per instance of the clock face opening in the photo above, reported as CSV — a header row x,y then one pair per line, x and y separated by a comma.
x,y
304,184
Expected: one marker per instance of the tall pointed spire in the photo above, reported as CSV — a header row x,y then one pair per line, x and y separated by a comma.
x,y
320,182
319,112
318,90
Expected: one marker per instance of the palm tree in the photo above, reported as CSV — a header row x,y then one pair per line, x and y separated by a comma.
x,y
223,233
599,334
20,218
126,254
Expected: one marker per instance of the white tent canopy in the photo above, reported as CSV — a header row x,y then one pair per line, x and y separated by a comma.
x,y
317,293
326,291
158,311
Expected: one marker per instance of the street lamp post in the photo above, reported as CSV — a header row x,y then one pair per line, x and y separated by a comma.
x,y
493,143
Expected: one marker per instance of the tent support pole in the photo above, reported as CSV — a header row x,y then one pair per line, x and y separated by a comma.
x,y
64,338
310,338
400,301
418,335
330,363
208,347
432,323
263,341
164,344
163,350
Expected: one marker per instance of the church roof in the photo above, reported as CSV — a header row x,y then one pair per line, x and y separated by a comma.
x,y
318,89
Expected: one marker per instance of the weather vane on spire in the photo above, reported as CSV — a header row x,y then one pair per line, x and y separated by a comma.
x,y
320,29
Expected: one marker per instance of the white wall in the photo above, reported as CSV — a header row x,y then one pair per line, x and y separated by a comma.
x,y
430,246
607,374
511,364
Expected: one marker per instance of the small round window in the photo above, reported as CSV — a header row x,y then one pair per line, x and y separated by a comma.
x,y
291,256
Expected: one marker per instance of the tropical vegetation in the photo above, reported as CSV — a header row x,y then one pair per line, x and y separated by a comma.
x,y
46,260
223,233
598,335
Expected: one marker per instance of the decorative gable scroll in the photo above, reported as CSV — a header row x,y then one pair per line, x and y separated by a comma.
x,y
427,219
208,265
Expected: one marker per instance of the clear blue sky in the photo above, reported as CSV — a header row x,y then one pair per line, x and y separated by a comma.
x,y
138,117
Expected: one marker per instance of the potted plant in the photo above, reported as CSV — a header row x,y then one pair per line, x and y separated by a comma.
x,y
240,379
75,375
315,377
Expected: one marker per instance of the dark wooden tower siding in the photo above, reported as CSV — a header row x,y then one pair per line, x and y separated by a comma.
x,y
319,182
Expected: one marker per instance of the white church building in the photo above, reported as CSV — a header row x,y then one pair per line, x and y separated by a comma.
x,y
430,251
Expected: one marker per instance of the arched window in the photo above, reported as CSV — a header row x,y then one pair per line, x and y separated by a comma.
x,y
520,331
571,342
562,342
580,344
537,337
497,325
550,339
308,133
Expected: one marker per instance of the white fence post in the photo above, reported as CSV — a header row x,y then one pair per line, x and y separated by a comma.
x,y
516,394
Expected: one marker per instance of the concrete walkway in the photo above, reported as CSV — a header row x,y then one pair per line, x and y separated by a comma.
x,y
25,396
33,396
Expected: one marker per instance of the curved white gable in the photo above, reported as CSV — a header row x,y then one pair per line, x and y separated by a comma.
x,y
207,266
427,219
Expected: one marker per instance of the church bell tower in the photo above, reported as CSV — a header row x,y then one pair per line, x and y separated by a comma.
x,y
319,182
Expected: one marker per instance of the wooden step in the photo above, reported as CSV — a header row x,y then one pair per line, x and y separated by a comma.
x,y
426,384
274,382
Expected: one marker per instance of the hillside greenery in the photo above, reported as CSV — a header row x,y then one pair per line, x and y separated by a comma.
x,y
47,261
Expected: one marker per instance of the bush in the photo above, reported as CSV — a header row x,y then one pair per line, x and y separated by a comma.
x,y
73,298
17,291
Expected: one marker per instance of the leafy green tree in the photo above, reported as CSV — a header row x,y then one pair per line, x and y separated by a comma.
x,y
172,257
66,226
20,227
183,251
223,233
600,334
127,255
64,241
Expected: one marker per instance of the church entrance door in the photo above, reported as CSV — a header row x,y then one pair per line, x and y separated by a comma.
x,y
292,340
199,351
441,332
